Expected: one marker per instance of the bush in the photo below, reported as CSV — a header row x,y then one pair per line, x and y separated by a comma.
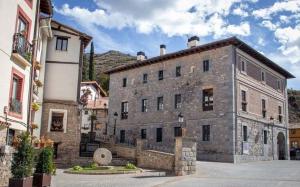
x,y
130,166
77,168
45,161
22,163
93,165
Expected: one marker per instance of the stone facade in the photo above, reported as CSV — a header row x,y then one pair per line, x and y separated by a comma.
x,y
67,141
5,165
226,79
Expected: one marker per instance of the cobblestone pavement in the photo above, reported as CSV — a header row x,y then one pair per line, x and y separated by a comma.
x,y
255,174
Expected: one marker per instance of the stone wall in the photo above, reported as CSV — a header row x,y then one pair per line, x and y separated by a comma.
x,y
68,142
5,166
185,156
156,160
124,151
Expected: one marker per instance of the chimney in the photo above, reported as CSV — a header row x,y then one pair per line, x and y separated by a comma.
x,y
193,41
162,49
140,56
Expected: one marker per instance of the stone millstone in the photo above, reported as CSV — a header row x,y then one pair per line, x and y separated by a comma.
x,y
102,157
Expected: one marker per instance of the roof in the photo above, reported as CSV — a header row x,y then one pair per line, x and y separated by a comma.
x,y
84,37
46,7
205,47
102,92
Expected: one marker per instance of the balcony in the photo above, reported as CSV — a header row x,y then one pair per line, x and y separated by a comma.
x,y
22,50
15,106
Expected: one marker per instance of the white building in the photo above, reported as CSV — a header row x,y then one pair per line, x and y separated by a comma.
x,y
20,22
97,105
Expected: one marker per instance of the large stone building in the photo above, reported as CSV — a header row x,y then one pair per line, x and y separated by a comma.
x,y
227,95
62,78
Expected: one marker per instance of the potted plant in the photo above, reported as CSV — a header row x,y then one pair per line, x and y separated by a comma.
x,y
22,163
44,168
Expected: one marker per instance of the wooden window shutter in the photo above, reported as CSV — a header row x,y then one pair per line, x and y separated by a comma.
x,y
19,89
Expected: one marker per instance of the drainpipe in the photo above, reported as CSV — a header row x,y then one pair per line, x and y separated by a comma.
x,y
33,60
287,154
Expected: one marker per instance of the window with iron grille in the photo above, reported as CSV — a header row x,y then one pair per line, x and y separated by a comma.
x,y
278,84
178,71
205,65
160,103
145,78
159,135
263,108
280,114
124,110
61,43
265,137
143,133
124,82
244,101
206,133
208,99
15,103
57,122
178,101
160,74
144,105
245,133
177,131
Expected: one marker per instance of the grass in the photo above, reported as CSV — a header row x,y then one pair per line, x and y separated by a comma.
x,y
103,170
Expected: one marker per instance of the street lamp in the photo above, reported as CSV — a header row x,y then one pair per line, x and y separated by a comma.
x,y
115,118
5,111
180,118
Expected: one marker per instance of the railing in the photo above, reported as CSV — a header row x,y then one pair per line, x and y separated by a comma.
x,y
15,106
22,46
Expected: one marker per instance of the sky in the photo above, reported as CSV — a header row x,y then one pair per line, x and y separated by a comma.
x,y
271,27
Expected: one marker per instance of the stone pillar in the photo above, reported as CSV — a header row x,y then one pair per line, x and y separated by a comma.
x,y
185,156
140,144
5,164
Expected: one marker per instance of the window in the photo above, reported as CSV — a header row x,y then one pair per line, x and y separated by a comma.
x,y
160,74
160,103
15,103
178,101
124,82
265,137
159,135
280,114
205,65
143,133
178,71
62,43
263,108
57,122
245,134
23,27
208,99
144,105
205,132
244,101
11,135
145,78
243,66
263,76
278,84
124,110
122,136
86,112
177,131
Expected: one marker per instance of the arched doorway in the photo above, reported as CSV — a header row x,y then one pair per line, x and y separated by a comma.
x,y
281,146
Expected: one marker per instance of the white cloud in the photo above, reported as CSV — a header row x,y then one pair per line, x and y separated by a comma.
x,y
261,41
286,5
172,17
241,10
268,24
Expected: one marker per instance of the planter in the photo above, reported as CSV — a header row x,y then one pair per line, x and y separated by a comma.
x,y
23,182
41,179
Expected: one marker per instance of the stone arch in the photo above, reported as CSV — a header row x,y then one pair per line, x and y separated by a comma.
x,y
281,150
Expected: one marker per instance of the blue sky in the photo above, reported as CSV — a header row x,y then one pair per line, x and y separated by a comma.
x,y
271,27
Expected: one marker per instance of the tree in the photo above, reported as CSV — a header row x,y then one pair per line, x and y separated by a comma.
x,y
45,161
91,64
85,69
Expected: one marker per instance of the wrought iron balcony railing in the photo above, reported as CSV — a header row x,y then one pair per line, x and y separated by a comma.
x,y
22,46
15,106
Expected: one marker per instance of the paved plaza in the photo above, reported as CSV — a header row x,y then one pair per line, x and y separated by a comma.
x,y
255,174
